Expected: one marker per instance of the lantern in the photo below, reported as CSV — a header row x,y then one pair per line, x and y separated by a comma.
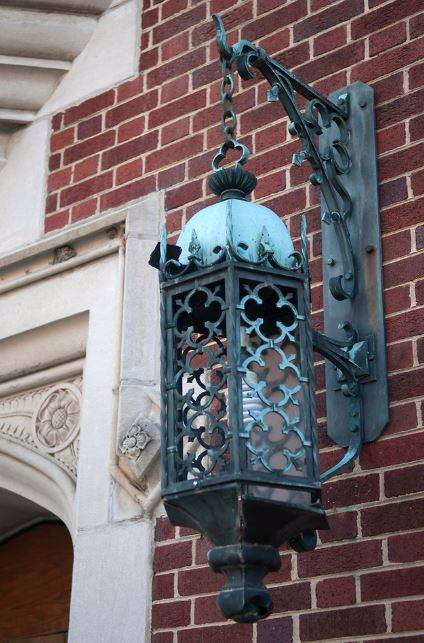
x,y
240,453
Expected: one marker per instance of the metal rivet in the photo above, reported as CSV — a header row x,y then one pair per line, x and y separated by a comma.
x,y
348,276
331,261
363,103
369,249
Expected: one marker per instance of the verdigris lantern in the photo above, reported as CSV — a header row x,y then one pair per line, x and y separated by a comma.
x,y
239,426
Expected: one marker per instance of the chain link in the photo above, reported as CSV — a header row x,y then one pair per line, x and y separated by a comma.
x,y
229,118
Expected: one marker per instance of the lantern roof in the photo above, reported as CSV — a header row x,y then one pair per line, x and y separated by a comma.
x,y
234,226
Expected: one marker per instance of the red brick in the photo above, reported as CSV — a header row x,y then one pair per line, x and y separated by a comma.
x,y
331,40
87,188
407,325
419,292
355,621
400,109
89,147
402,418
392,517
270,184
273,630
174,89
131,129
163,529
162,586
200,165
177,67
174,221
400,482
129,171
352,490
175,131
170,614
171,177
282,16
340,558
199,580
57,122
130,149
171,7
234,633
332,62
172,556
176,46
416,128
54,162
416,26
396,245
417,183
128,192
150,17
206,610
392,584
163,637
206,75
270,136
292,597
386,89
184,20
403,271
407,547
184,194
84,210
387,15
59,179
323,20
387,38
406,384
334,592
400,355
391,451
177,108
407,214
401,161
397,299
90,127
90,106
149,58
388,61
393,192
51,202
233,18
174,153
277,42
62,139
130,88
86,168
135,107
408,616
56,221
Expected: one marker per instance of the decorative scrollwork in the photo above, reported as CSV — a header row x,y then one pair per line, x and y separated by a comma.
x,y
320,113
273,424
199,383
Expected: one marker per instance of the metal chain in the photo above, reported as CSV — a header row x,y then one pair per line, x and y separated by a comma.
x,y
229,118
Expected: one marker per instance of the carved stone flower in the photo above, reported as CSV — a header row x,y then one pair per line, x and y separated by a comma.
x,y
57,418
135,441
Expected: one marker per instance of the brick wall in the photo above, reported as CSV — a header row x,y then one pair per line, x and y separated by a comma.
x,y
157,132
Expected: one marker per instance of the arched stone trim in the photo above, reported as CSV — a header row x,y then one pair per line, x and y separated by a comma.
x,y
31,475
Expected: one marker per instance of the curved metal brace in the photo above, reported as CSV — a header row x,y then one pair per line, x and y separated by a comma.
x,y
246,56
344,355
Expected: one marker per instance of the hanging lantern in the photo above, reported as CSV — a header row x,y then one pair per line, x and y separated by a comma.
x,y
239,426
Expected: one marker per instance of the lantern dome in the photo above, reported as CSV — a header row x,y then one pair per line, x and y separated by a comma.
x,y
244,230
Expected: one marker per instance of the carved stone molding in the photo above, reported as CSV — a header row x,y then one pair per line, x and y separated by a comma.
x,y
46,420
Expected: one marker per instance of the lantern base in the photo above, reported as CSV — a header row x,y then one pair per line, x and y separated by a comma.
x,y
244,597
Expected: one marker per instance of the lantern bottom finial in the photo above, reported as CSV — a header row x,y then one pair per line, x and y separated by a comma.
x,y
244,598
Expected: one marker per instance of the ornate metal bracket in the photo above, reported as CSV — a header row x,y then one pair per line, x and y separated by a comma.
x,y
337,137
327,164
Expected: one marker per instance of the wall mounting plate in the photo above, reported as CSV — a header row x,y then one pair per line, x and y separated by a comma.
x,y
365,311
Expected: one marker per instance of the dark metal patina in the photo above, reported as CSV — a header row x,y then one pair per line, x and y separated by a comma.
x,y
240,446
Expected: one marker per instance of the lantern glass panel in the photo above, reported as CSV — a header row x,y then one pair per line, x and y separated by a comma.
x,y
200,437
275,428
